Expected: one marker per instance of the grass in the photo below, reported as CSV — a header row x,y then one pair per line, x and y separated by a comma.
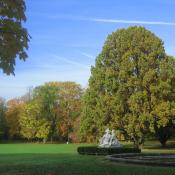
x,y
38,148
62,159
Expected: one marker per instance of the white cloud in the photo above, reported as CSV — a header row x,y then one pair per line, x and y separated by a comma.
x,y
92,57
130,21
74,63
103,20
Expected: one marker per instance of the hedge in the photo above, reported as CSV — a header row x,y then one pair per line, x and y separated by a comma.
x,y
94,150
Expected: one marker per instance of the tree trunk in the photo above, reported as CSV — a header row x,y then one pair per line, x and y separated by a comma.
x,y
138,143
44,141
163,143
163,134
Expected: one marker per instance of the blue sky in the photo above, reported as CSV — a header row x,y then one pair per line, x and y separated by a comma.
x,y
67,35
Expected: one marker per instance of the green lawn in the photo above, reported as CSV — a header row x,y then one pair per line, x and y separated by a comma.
x,y
38,148
62,159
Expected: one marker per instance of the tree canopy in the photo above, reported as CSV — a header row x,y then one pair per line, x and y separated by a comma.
x,y
33,125
47,97
14,109
14,37
131,86
51,113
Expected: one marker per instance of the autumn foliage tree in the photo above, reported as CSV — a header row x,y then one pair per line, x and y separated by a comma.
x,y
14,109
69,109
61,106
33,124
53,113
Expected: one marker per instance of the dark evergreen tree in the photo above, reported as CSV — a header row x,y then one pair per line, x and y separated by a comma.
x,y
3,123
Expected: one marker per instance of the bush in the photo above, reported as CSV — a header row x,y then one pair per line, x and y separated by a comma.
x,y
94,150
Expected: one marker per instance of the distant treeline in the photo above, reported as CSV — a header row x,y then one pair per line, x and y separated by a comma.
x,y
50,112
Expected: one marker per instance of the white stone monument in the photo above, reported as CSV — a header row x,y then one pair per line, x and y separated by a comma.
x,y
109,140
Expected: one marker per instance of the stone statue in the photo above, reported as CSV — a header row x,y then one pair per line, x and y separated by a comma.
x,y
114,141
105,140
109,140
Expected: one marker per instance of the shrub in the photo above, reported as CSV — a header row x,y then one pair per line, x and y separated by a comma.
x,y
94,150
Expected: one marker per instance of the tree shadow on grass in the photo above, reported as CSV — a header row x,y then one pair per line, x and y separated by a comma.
x,y
170,145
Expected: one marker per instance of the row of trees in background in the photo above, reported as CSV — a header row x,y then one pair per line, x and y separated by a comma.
x,y
51,113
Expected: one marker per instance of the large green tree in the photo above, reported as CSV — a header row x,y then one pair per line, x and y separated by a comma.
x,y
14,37
125,86
47,96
